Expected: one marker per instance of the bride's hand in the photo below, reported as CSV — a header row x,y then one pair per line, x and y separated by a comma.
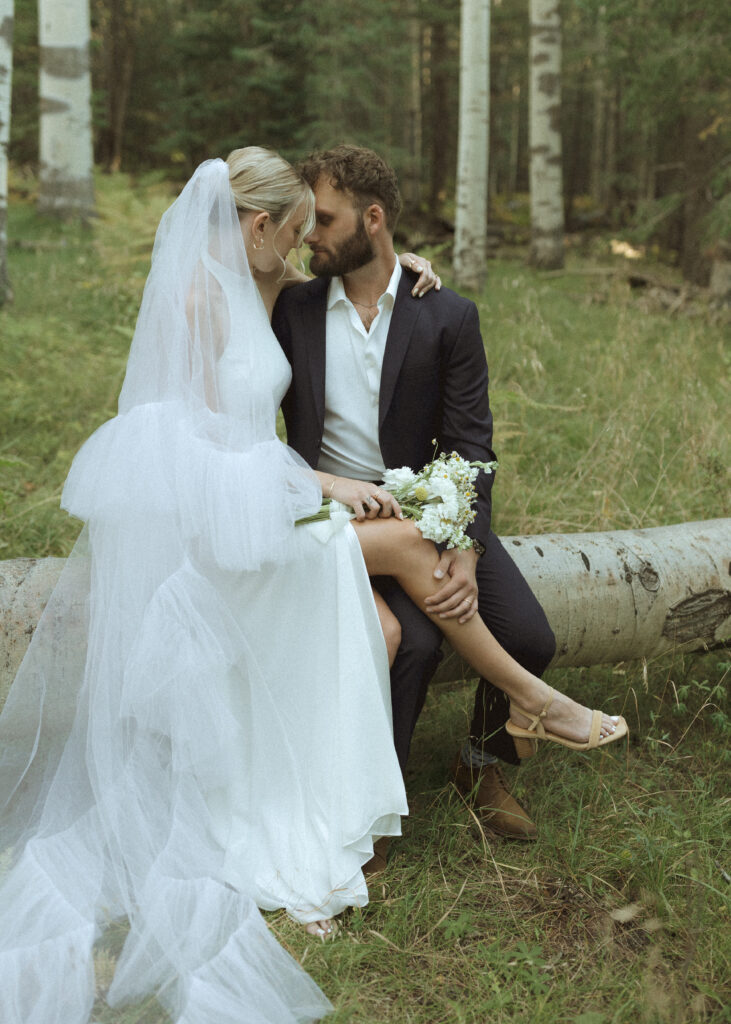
x,y
427,277
367,500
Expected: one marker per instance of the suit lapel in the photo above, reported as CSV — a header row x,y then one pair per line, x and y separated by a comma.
x,y
314,309
403,321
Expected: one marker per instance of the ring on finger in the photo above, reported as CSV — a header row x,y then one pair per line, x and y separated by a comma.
x,y
371,500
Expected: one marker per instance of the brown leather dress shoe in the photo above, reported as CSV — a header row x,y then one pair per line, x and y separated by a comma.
x,y
377,863
497,810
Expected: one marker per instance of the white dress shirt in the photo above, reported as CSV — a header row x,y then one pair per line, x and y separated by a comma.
x,y
353,361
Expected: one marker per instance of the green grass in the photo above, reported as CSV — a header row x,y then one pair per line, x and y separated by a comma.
x,y
64,348
609,415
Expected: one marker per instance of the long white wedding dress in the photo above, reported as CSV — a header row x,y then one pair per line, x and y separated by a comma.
x,y
201,725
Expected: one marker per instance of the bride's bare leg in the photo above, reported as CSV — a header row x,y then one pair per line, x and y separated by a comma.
x,y
393,547
390,626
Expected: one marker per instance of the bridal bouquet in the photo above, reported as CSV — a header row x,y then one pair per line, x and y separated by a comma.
x,y
439,498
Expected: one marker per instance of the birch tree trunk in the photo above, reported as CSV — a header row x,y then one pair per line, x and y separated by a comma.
x,y
546,192
470,237
609,597
627,594
66,154
6,79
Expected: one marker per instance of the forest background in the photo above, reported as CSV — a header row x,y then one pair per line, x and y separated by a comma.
x,y
611,408
645,100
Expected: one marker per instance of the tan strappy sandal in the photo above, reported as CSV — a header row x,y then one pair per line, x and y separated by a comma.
x,y
525,739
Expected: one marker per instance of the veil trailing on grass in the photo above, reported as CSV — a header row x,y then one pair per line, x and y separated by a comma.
x,y
112,738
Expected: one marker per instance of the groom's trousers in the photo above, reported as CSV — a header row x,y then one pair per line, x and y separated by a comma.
x,y
513,615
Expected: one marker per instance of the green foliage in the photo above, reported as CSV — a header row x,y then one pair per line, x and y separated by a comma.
x,y
588,435
652,214
176,82
64,347
668,66
213,76
718,221
209,76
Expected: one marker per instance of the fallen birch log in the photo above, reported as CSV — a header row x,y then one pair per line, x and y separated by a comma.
x,y
627,594
609,597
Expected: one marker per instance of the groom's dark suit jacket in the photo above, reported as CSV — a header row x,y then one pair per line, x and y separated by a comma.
x,y
433,380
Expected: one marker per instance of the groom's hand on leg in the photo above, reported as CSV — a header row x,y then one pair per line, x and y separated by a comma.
x,y
458,596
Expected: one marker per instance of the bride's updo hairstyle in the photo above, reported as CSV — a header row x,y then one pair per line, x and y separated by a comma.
x,y
261,180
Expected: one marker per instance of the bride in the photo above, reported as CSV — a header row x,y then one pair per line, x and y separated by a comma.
x,y
201,725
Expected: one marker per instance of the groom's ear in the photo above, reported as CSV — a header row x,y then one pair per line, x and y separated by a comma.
x,y
374,219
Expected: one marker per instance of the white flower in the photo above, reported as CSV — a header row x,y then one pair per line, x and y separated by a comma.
x,y
434,526
449,509
442,487
401,479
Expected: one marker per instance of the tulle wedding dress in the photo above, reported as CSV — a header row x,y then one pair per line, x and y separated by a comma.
x,y
201,725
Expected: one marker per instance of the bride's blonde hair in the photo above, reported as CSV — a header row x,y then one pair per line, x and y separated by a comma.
x,y
261,180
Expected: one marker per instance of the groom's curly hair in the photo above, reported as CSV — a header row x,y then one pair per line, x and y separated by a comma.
x,y
360,172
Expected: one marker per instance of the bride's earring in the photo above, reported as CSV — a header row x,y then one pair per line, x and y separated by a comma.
x,y
261,246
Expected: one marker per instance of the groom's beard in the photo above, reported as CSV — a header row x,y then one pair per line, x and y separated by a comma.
x,y
350,255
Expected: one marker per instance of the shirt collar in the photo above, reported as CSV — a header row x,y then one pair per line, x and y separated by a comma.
x,y
336,291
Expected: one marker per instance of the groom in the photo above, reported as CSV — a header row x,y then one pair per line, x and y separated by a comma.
x,y
377,375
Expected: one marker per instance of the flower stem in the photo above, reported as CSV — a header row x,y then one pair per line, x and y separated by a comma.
x,y
316,517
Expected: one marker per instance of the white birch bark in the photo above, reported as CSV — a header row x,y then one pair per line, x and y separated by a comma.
x,y
6,80
609,597
628,594
66,154
546,190
470,237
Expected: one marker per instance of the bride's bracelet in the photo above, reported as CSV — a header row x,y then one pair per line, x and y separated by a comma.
x,y
330,492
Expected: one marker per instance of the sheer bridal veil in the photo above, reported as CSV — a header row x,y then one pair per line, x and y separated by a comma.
x,y
112,735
